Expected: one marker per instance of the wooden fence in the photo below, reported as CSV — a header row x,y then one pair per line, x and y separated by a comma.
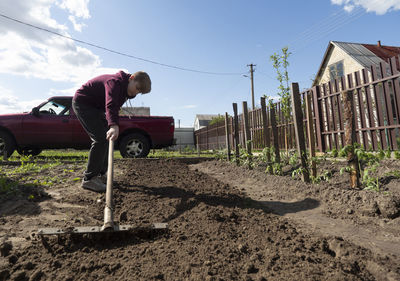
x,y
376,99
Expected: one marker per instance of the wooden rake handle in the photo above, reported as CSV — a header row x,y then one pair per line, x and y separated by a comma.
x,y
108,210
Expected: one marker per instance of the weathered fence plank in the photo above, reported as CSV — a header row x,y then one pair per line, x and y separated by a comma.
x,y
371,117
274,133
228,145
361,107
327,115
318,118
310,132
299,130
333,109
388,106
378,106
236,122
246,128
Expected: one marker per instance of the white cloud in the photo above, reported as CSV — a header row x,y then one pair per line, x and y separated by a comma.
x,y
9,103
79,8
29,52
33,53
77,26
380,7
189,106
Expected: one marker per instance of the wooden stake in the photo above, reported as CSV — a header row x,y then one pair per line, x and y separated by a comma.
x,y
198,145
299,131
310,132
228,145
350,138
272,117
236,123
247,129
266,135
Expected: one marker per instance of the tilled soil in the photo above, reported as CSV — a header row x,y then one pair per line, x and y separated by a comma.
x,y
225,223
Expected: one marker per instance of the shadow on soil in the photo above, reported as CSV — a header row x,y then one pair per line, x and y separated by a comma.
x,y
20,199
190,199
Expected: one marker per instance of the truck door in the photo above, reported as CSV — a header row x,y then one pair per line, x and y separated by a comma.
x,y
50,127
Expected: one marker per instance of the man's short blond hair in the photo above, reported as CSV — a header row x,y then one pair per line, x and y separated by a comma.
x,y
143,80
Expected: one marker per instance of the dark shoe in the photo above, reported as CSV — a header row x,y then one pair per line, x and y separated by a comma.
x,y
103,178
94,184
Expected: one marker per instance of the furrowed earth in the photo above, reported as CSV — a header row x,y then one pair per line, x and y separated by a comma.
x,y
225,223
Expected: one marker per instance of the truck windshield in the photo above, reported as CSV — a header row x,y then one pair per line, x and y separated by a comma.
x,y
52,107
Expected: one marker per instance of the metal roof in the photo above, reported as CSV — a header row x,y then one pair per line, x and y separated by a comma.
x,y
359,53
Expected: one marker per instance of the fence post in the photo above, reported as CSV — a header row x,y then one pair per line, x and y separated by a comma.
x,y
318,119
272,117
232,132
228,145
247,129
350,137
299,131
207,138
198,145
310,132
236,122
217,126
266,134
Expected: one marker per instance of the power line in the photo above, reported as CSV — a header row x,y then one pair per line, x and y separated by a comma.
x,y
326,30
319,27
117,52
327,26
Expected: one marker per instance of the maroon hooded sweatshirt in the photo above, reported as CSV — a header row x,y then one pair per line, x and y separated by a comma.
x,y
106,92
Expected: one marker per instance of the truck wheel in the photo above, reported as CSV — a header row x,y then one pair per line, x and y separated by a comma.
x,y
6,144
134,146
29,151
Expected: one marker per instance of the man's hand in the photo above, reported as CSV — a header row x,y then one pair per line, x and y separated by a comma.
x,y
113,133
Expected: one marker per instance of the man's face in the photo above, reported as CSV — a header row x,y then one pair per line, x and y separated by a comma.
x,y
133,88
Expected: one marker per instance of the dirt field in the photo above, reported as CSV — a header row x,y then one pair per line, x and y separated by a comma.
x,y
225,223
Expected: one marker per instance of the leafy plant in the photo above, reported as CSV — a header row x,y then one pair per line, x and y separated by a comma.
x,y
370,182
367,165
298,172
280,63
334,153
381,154
245,158
294,159
221,154
325,176
216,119
274,169
397,155
388,153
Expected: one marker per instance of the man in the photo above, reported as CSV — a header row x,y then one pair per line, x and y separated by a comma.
x,y
96,104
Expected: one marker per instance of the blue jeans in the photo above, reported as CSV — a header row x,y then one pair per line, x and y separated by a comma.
x,y
94,122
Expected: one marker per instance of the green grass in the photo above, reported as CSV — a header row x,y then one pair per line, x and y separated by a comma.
x,y
82,155
160,153
31,170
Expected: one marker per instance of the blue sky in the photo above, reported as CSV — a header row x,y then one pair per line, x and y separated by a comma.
x,y
219,36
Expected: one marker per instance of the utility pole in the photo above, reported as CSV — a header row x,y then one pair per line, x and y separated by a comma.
x,y
252,84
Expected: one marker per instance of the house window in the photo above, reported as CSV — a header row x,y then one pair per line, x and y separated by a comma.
x,y
336,70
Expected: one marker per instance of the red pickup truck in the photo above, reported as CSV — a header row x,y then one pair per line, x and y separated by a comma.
x,y
53,125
